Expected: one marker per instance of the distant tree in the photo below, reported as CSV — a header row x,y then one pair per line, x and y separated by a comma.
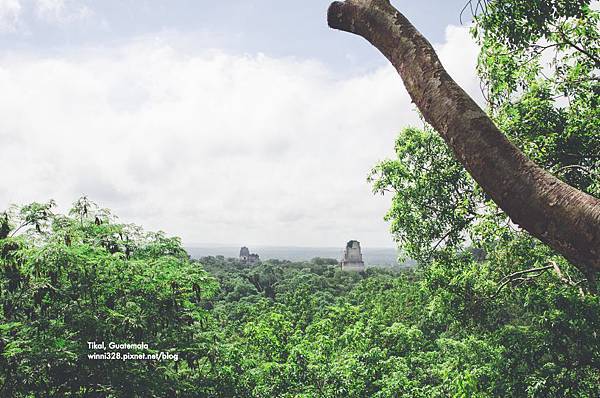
x,y
324,261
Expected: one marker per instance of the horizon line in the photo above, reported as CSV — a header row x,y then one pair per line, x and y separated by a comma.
x,y
227,245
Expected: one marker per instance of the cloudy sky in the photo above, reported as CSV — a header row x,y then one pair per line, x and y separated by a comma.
x,y
222,122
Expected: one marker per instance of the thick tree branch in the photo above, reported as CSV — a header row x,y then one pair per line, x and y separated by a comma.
x,y
563,217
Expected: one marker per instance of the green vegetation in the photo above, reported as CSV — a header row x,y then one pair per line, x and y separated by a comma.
x,y
278,328
489,311
312,330
67,280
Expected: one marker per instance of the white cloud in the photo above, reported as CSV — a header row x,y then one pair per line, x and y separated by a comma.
x,y
13,12
459,56
61,11
209,146
10,11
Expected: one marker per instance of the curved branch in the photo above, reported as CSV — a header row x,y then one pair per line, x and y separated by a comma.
x,y
561,216
517,276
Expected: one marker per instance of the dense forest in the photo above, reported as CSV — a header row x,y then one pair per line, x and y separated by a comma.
x,y
457,327
489,310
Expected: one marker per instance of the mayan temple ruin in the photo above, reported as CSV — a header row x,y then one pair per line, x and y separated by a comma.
x,y
352,260
248,258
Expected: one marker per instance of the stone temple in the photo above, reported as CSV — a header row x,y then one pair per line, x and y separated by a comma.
x,y
352,260
248,258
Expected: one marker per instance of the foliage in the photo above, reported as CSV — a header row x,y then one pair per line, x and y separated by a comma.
x,y
435,200
440,331
539,63
69,280
517,299
278,328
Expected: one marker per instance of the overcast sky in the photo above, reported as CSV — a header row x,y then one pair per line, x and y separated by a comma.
x,y
222,122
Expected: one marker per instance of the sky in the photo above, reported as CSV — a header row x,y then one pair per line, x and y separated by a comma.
x,y
231,122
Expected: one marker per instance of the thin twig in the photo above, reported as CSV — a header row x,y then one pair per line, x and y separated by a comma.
x,y
567,280
513,277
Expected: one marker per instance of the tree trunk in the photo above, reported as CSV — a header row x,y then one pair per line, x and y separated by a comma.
x,y
561,216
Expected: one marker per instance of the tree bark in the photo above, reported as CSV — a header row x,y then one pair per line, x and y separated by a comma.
x,y
561,216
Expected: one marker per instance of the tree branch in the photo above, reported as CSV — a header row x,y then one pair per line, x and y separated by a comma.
x,y
567,280
561,216
512,277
